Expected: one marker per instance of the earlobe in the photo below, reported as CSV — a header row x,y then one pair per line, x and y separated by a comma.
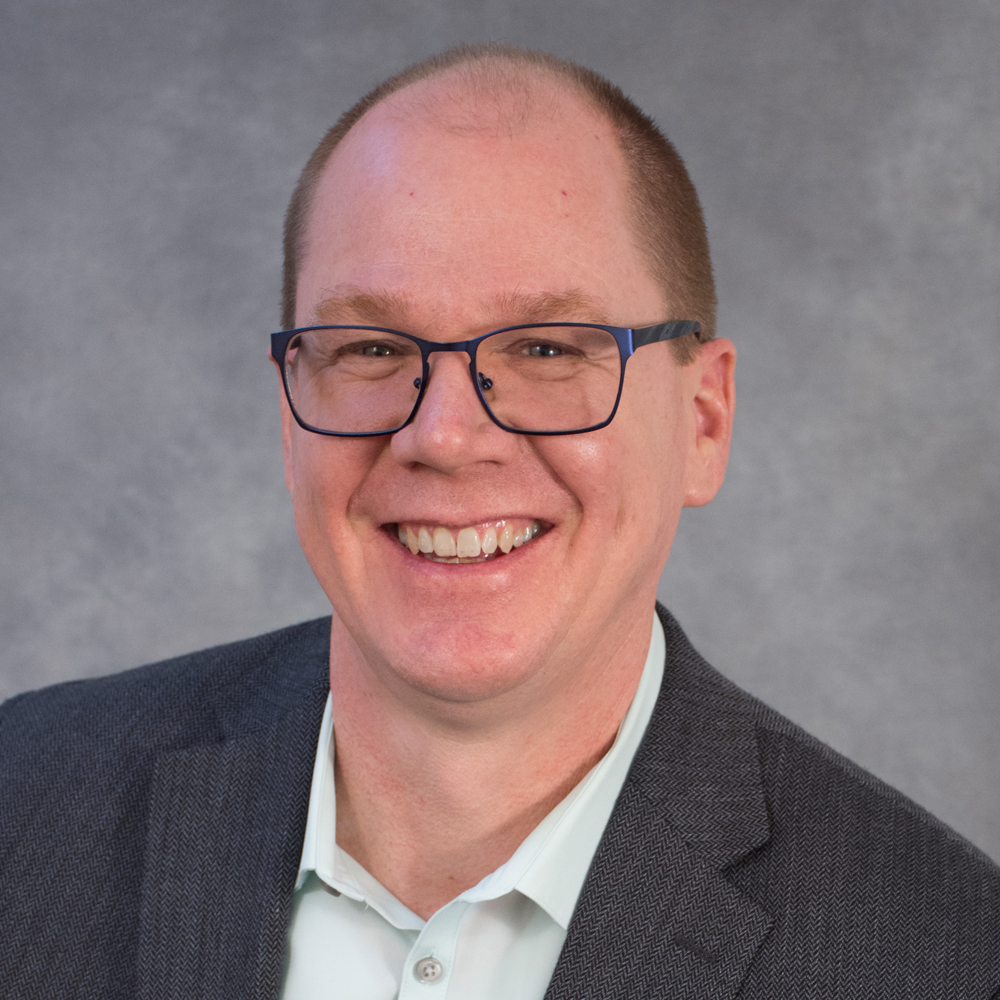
x,y
712,394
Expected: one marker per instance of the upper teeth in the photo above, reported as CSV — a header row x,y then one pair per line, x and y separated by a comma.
x,y
476,542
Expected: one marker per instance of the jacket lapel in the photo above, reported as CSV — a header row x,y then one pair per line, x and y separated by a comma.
x,y
225,832
657,916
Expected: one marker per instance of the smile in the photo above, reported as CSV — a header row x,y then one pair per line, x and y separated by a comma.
x,y
476,543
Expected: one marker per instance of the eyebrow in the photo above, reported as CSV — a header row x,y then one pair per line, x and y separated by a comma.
x,y
539,307
382,308
377,308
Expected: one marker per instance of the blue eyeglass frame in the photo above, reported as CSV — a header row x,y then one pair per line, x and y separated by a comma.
x,y
628,339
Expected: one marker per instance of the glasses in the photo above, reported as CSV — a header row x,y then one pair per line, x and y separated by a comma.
x,y
539,378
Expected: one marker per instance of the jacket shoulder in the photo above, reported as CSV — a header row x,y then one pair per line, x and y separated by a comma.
x,y
866,888
76,786
790,758
204,696
859,875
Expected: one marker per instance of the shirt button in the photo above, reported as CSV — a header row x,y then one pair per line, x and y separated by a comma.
x,y
428,970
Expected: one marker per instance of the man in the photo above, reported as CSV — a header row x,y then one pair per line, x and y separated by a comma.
x,y
494,772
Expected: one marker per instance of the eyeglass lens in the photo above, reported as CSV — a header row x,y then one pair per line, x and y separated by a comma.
x,y
553,378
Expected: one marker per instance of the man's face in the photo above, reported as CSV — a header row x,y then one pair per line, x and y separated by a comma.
x,y
448,233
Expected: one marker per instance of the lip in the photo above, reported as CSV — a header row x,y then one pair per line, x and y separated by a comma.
x,y
456,525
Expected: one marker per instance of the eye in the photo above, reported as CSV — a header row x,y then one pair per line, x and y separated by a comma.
x,y
377,351
544,351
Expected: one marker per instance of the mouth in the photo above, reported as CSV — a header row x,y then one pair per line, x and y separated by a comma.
x,y
474,543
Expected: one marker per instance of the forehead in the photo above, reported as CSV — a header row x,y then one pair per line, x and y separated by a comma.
x,y
473,191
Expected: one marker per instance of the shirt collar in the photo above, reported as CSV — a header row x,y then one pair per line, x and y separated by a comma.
x,y
552,862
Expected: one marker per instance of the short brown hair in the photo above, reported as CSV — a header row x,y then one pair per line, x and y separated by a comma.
x,y
666,211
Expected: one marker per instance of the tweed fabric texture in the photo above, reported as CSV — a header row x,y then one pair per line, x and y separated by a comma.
x,y
122,802
152,822
746,859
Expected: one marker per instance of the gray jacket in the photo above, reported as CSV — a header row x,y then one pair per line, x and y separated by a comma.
x,y
151,825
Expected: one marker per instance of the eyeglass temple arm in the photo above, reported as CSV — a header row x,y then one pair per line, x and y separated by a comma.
x,y
664,331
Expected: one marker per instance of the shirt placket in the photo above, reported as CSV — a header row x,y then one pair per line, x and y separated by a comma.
x,y
431,960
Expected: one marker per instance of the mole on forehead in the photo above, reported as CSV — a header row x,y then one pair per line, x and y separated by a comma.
x,y
384,308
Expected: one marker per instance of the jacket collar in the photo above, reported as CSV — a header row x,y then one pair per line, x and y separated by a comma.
x,y
225,830
700,762
657,916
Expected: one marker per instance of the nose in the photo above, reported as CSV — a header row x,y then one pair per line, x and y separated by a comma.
x,y
451,430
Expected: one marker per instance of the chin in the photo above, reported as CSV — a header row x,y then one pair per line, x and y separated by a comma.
x,y
462,663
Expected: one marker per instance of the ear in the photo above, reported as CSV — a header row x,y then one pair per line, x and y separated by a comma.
x,y
287,420
710,389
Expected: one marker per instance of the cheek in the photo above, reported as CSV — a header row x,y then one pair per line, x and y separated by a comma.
x,y
625,479
325,474
633,471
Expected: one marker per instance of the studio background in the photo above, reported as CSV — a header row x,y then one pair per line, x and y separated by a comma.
x,y
848,158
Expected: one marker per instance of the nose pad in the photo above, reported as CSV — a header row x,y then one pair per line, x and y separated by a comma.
x,y
446,372
485,382
452,429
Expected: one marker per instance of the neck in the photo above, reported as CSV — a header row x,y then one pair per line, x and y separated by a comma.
x,y
430,802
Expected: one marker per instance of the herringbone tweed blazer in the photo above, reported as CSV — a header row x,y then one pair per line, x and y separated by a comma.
x,y
152,824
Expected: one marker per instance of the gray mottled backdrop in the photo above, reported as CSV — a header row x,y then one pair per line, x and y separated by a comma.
x,y
848,155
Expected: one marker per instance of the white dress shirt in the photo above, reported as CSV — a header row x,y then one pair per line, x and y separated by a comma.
x,y
500,940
